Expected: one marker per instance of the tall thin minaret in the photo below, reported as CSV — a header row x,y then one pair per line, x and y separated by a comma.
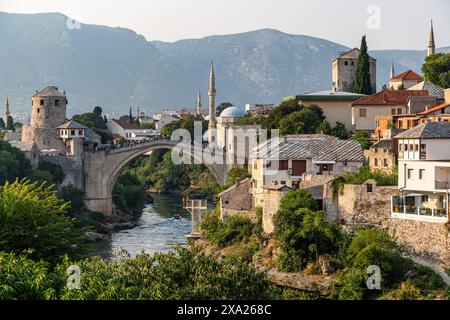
x,y
212,103
431,45
392,73
7,113
199,103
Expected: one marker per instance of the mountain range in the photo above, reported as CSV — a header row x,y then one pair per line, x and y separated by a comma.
x,y
116,68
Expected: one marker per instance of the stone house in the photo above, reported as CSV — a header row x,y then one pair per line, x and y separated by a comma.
x,y
344,69
382,157
289,160
237,199
123,128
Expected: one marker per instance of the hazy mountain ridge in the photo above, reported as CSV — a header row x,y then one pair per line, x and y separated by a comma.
x,y
117,68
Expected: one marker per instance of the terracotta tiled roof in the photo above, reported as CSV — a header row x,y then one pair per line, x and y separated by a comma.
x,y
390,97
407,75
125,124
431,110
116,136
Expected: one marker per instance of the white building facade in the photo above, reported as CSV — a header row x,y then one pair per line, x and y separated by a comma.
x,y
423,173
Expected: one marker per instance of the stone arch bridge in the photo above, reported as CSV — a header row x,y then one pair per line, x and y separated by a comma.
x,y
102,168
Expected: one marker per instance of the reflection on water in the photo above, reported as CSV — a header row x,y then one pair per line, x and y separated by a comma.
x,y
157,230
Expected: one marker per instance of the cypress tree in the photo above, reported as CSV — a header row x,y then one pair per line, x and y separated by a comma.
x,y
2,123
10,124
130,117
362,73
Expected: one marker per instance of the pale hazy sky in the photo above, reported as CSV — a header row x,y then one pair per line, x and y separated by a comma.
x,y
403,24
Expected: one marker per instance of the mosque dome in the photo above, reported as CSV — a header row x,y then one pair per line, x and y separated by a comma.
x,y
232,112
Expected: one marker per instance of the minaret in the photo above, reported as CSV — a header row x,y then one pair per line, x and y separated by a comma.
x,y
7,113
199,104
212,102
392,74
431,45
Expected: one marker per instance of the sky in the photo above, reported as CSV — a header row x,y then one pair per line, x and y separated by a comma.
x,y
388,24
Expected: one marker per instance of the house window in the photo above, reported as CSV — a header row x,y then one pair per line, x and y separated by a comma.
x,y
369,187
72,132
410,173
399,111
376,150
411,147
362,113
346,63
385,163
38,110
283,182
400,146
283,165
423,152
268,164
42,102
353,63
406,147
80,132
416,147
424,199
392,111
255,165
375,162
421,173
56,102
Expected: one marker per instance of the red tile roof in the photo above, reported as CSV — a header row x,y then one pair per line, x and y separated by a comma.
x,y
407,75
390,97
126,125
116,136
438,107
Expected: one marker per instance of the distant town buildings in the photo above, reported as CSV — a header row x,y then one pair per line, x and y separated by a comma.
x,y
404,80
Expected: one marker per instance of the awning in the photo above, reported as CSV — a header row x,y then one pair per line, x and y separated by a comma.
x,y
414,195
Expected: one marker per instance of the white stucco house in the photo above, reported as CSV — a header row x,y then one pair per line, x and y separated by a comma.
x,y
423,173
124,129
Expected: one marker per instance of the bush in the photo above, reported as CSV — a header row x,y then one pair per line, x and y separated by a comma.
x,y
56,171
32,217
24,279
74,197
128,194
234,229
181,274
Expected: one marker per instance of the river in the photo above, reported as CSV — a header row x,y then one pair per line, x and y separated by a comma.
x,y
156,231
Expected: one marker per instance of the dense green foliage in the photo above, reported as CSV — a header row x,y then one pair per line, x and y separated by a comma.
x,y
277,114
236,173
96,122
400,277
306,120
339,131
2,123
56,171
33,217
361,176
302,232
363,138
362,72
13,163
234,229
187,124
128,194
436,69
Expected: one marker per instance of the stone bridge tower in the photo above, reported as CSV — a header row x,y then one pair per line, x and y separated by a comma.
x,y
48,111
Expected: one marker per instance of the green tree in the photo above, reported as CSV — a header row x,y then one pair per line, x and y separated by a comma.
x,y
362,72
128,194
33,217
277,114
363,138
10,124
324,127
2,123
222,107
436,69
340,131
13,163
56,171
98,111
236,173
95,122
74,197
307,120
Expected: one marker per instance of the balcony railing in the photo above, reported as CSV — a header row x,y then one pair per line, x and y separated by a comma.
x,y
420,211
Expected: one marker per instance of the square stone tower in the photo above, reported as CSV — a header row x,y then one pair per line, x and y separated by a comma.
x,y
48,111
344,68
